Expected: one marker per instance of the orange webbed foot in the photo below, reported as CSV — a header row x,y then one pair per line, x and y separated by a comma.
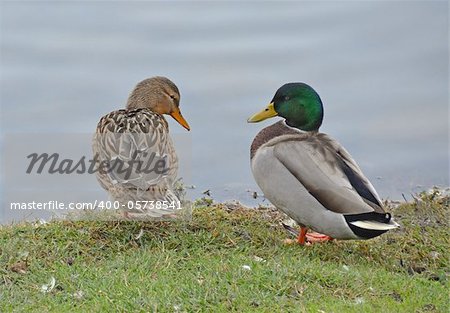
x,y
314,237
305,238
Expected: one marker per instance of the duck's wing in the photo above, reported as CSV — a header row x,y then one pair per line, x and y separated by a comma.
x,y
329,173
356,177
132,148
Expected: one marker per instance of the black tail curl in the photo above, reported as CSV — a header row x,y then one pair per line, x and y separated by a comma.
x,y
370,216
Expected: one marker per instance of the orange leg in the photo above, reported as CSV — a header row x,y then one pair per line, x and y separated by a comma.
x,y
301,239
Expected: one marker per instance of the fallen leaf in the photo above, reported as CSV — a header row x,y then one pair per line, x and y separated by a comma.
x,y
78,294
258,259
49,287
20,267
141,232
359,300
289,241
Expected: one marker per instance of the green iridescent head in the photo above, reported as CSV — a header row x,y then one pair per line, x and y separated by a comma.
x,y
298,103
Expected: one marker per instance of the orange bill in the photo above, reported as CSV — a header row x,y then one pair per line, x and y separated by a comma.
x,y
180,119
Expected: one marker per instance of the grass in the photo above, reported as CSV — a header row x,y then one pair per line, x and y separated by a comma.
x,y
225,259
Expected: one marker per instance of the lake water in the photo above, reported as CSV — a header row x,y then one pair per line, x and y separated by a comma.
x,y
381,69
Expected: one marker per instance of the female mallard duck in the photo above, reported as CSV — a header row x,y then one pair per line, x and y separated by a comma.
x,y
310,176
135,154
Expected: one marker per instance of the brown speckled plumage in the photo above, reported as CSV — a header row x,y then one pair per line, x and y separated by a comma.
x,y
135,132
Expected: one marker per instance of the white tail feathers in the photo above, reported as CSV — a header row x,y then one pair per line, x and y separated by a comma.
x,y
374,225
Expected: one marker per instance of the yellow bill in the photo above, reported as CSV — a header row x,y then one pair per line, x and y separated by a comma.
x,y
180,119
263,115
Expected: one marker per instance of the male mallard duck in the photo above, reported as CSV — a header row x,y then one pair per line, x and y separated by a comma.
x,y
310,176
137,138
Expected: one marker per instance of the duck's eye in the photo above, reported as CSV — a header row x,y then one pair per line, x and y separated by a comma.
x,y
286,98
172,97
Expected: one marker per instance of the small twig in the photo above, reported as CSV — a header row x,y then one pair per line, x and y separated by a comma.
x,y
403,195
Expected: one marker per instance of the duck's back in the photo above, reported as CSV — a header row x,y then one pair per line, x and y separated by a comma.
x,y
139,138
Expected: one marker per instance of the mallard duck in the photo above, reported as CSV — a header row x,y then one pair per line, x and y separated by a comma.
x,y
310,176
137,138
